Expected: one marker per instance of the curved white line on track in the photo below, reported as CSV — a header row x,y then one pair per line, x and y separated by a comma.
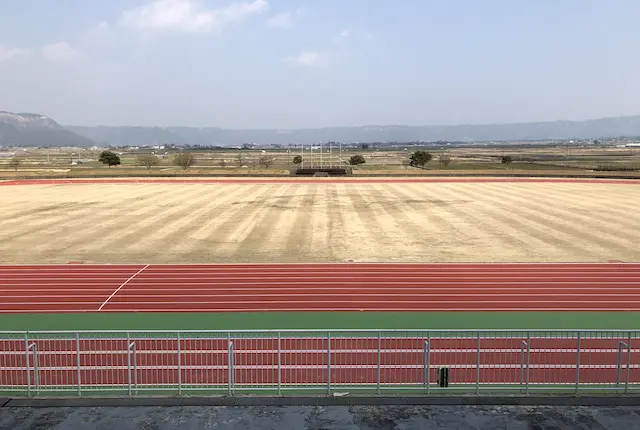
x,y
120,287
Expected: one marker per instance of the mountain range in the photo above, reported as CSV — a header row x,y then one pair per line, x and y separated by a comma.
x,y
26,129
29,129
589,129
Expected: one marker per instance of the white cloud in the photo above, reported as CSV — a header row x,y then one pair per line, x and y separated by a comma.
x,y
283,21
188,16
342,36
308,59
7,53
351,35
238,11
60,51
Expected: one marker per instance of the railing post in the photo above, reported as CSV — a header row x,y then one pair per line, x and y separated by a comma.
x,y
131,366
621,345
626,378
132,380
578,364
524,346
328,363
279,363
526,387
78,363
230,367
179,366
135,368
36,383
429,364
426,365
379,362
27,348
36,370
478,366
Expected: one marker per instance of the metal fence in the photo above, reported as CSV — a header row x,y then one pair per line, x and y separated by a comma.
x,y
305,361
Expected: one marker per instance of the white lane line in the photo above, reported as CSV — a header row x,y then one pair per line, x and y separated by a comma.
x,y
358,303
350,284
318,309
152,295
605,277
186,281
192,292
120,287
466,290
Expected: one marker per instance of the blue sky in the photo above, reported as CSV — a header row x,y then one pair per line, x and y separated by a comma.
x,y
297,64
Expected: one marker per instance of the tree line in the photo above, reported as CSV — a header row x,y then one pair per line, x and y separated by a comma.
x,y
186,160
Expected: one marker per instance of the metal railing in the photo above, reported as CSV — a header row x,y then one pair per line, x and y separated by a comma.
x,y
319,361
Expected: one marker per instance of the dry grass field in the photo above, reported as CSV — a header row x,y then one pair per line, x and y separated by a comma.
x,y
310,222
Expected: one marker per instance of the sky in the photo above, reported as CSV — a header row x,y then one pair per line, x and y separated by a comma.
x,y
285,64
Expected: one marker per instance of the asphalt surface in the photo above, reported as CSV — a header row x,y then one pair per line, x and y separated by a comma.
x,y
531,414
321,417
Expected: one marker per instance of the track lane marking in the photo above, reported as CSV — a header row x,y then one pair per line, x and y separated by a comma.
x,y
333,275
306,309
329,295
120,287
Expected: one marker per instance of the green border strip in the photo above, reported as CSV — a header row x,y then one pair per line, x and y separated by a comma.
x,y
323,321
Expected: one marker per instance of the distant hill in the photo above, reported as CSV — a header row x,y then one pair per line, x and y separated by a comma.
x,y
26,129
590,129
29,130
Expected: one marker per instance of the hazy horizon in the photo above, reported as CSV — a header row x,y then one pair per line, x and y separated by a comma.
x,y
285,64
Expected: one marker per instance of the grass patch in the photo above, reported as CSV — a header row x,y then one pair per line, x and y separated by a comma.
x,y
324,321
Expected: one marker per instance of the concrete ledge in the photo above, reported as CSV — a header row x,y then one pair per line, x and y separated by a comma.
x,y
610,401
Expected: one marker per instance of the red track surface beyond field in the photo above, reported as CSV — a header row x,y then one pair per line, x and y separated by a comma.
x,y
293,180
318,287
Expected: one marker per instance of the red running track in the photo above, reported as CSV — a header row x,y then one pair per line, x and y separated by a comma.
x,y
313,361
292,180
320,287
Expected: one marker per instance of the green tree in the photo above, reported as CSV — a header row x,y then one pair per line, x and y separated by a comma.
x,y
356,160
506,160
109,158
297,159
420,158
